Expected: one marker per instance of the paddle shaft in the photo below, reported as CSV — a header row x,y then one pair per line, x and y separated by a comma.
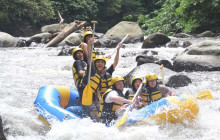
x,y
124,116
161,68
120,42
90,62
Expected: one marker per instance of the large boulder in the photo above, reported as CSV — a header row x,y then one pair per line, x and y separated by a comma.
x,y
144,69
74,39
40,38
155,40
6,40
203,56
105,43
176,81
2,136
122,28
53,28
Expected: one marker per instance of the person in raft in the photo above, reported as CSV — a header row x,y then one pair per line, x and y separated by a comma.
x,y
113,101
152,91
106,72
86,43
135,84
79,66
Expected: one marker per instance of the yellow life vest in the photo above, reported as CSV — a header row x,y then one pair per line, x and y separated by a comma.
x,y
106,83
150,95
107,110
77,79
95,82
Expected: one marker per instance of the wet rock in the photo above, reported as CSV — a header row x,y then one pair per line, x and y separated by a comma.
x,y
142,70
203,56
175,44
106,43
182,35
176,81
121,29
53,28
206,34
166,63
74,39
39,38
155,40
99,35
142,59
2,136
6,40
66,50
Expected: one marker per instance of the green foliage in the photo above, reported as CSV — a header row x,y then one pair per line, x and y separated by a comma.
x,y
182,16
72,10
21,13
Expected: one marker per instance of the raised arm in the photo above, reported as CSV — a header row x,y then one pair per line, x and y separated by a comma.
x,y
117,56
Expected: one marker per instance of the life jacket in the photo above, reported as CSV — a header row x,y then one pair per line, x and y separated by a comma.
x,y
77,79
106,83
93,52
107,110
131,94
150,95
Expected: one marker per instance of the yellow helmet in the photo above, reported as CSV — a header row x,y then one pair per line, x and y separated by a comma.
x,y
116,79
100,57
75,50
85,34
135,78
151,76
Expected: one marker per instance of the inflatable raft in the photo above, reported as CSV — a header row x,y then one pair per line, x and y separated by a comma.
x,y
60,103
171,109
57,102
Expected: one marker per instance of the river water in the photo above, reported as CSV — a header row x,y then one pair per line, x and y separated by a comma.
x,y
25,70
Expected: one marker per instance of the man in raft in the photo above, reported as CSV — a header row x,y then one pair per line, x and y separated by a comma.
x,y
113,100
152,91
79,66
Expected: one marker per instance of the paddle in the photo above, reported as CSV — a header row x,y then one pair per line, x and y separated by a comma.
x,y
87,92
127,35
205,95
161,68
125,115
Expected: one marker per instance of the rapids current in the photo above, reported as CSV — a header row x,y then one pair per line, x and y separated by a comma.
x,y
25,70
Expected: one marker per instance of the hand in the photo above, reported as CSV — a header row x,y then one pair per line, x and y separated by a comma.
x,y
119,45
91,41
108,57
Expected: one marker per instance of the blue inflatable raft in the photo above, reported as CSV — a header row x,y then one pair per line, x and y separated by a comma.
x,y
57,102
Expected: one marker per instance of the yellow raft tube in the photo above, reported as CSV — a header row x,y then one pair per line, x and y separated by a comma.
x,y
171,109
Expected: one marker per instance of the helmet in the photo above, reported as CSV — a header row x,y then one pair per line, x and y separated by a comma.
x,y
116,79
75,50
135,78
151,76
86,33
100,57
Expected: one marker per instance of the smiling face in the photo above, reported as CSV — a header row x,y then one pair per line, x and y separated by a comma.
x,y
100,65
119,85
152,83
79,55
137,83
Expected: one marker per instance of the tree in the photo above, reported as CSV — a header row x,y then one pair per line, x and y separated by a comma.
x,y
18,14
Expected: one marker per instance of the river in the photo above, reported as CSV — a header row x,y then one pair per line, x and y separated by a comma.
x,y
25,70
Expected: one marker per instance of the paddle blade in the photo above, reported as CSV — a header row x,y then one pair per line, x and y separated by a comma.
x,y
123,119
205,95
87,95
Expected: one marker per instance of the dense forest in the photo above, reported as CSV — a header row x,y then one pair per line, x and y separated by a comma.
x,y
24,17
